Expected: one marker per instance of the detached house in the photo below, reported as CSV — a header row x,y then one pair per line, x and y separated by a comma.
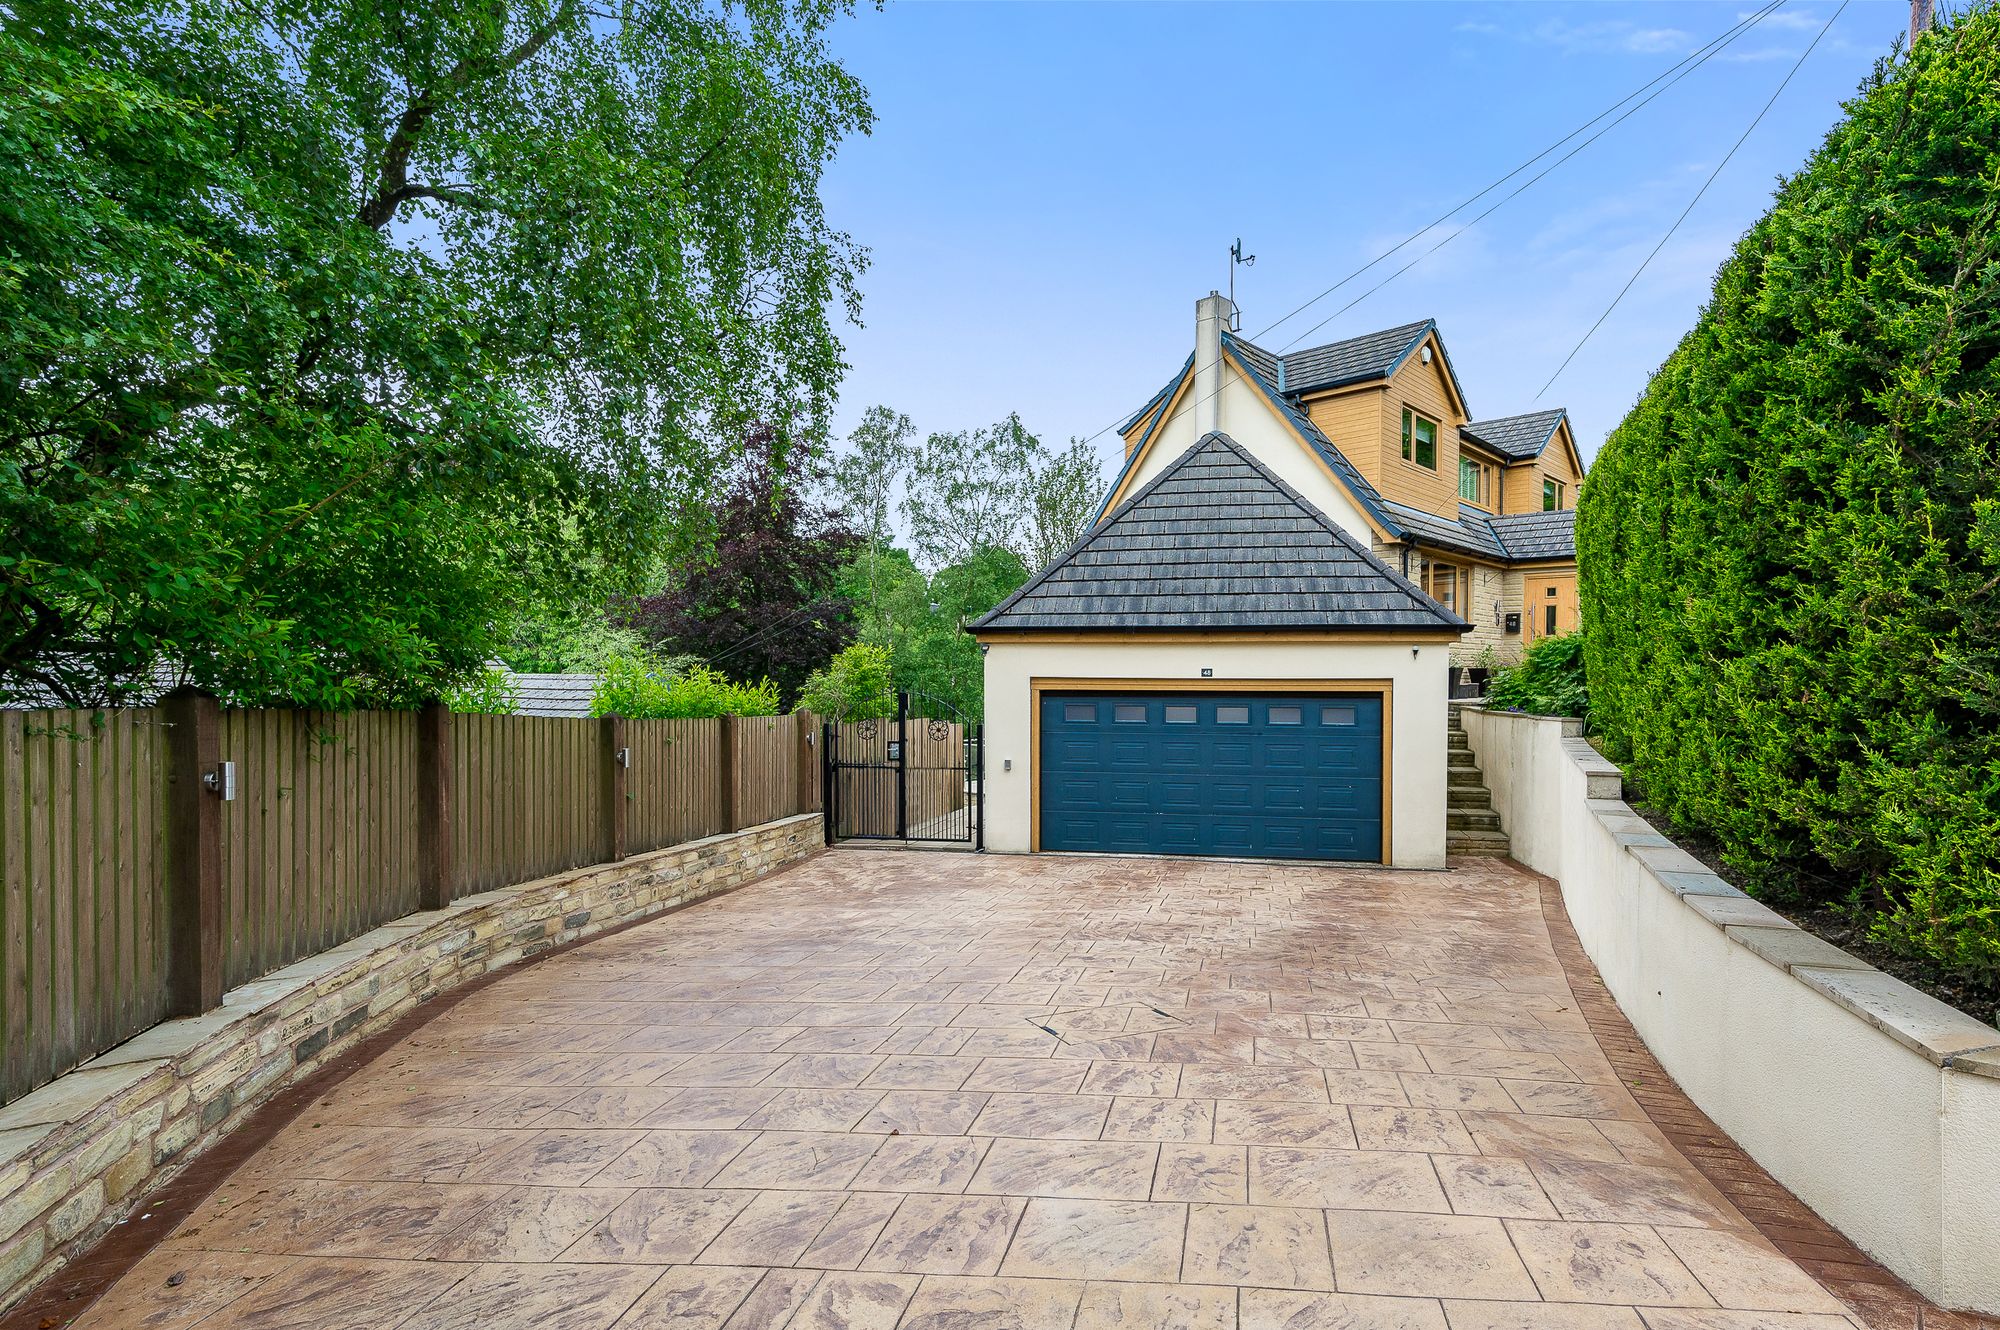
x,y
1251,652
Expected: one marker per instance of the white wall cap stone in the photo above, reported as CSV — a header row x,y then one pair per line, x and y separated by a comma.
x,y
1723,911
1790,947
1985,1062
1700,883
1670,859
1942,1033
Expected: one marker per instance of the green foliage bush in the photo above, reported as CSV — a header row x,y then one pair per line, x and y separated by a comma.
x,y
490,694
1790,549
854,686
1548,681
642,690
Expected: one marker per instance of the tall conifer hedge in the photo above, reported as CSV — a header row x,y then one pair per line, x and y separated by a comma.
x,y
1790,549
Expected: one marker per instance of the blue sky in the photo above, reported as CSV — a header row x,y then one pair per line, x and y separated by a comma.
x,y
1050,187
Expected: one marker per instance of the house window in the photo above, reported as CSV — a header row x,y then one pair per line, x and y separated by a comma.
x,y
1548,621
1336,715
1552,495
1232,715
1128,713
1420,439
1285,715
1180,715
1441,581
1470,477
1079,711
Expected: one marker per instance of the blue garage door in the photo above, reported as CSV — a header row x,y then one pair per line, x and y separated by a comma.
x,y
1262,776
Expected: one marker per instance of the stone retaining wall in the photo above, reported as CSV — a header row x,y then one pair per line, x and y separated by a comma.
x,y
1875,1104
79,1153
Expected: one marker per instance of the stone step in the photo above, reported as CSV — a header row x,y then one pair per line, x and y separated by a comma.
x,y
1461,762
1471,819
1457,799
1479,850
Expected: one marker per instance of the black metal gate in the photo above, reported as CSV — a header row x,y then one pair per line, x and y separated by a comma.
x,y
917,776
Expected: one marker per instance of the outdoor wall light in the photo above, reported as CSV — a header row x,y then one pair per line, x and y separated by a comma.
x,y
1006,764
624,757
221,780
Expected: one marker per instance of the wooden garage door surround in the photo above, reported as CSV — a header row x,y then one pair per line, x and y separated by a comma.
x,y
1384,688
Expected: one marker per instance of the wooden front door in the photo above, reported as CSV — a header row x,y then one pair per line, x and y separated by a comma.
x,y
1548,606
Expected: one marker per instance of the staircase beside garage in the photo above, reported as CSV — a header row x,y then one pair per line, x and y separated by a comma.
x,y
1471,825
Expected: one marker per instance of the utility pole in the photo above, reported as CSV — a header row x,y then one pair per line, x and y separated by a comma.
x,y
1920,19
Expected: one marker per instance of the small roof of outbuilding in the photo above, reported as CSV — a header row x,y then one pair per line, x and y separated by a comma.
x,y
1218,542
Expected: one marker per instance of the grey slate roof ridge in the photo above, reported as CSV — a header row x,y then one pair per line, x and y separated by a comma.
x,y
1508,435
1206,446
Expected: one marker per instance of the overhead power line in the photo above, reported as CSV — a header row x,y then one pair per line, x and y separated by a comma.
x,y
1686,65
1647,261
1665,79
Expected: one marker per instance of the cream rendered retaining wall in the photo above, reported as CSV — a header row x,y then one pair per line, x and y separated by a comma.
x,y
77,1155
1877,1105
1417,714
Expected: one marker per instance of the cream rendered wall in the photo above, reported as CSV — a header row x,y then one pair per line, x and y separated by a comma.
x,y
1877,1105
1417,715
1247,417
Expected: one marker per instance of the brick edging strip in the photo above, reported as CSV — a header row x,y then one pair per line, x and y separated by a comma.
x,y
68,1293
1875,1295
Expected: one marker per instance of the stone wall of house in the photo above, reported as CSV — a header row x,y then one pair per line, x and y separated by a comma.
x,y
77,1155
1489,643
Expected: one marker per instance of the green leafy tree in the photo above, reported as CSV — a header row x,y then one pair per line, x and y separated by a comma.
x,y
863,479
999,488
1063,493
324,327
969,491
855,685
923,625
1790,549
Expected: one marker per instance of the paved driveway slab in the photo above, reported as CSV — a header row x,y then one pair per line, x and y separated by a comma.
x,y
923,1091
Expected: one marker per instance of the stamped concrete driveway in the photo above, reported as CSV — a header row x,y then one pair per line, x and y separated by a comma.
x,y
920,1090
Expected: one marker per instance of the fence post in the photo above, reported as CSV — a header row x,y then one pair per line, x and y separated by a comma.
x,y
617,763
194,888
726,764
827,798
806,787
435,867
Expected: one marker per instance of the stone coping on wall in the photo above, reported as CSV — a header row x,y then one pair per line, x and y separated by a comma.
x,y
78,1153
1951,1039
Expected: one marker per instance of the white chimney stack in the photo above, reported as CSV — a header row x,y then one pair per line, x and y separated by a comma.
x,y
1212,316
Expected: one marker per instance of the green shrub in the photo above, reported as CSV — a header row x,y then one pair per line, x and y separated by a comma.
x,y
642,690
854,686
1547,682
1790,549
492,694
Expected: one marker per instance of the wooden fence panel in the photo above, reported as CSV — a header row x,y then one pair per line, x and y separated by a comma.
x,y
83,866
674,782
767,756
320,843
528,799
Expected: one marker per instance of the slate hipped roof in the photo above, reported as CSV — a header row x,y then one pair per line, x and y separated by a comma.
x,y
1216,541
1516,437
